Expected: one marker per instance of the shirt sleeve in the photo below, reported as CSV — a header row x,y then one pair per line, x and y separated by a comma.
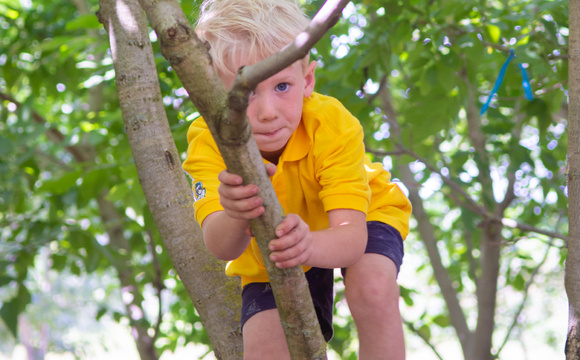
x,y
203,164
340,165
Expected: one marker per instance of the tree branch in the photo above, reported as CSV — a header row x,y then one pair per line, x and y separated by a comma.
x,y
525,297
226,119
456,189
157,281
456,315
423,337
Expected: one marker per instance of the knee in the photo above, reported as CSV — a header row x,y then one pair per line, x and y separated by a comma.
x,y
376,295
263,337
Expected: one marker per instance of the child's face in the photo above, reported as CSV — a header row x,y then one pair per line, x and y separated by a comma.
x,y
275,107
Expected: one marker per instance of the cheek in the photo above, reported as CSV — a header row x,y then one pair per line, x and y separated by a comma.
x,y
250,111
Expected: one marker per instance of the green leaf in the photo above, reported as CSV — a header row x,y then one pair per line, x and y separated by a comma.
x,y
442,320
493,32
13,4
100,313
58,262
425,330
85,21
10,310
118,192
61,185
519,282
51,45
9,314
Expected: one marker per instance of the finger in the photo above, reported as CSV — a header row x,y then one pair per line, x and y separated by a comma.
x,y
241,205
237,192
293,256
270,169
245,215
227,177
290,222
249,231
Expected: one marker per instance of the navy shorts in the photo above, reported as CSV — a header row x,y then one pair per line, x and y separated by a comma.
x,y
383,239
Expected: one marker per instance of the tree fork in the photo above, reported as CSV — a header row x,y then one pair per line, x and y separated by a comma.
x,y
226,119
215,296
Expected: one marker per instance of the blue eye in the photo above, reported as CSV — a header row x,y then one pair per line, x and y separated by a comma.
x,y
282,87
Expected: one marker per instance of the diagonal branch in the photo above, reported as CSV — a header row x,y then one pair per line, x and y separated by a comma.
x,y
471,204
226,119
423,337
525,297
250,76
456,315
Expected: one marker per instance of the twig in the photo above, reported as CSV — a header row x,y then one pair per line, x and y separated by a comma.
x,y
156,281
423,337
250,76
526,293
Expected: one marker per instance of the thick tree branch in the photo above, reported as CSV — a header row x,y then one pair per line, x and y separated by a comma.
x,y
229,127
215,296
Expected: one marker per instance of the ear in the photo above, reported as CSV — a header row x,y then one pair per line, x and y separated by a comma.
x,y
309,79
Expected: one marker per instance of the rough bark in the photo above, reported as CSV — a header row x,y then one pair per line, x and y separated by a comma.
x,y
216,297
225,116
111,217
572,269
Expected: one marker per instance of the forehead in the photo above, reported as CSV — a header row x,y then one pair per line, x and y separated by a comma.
x,y
293,71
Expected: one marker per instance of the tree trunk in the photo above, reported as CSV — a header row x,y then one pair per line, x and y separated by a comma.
x,y
572,269
122,264
168,194
225,116
490,239
456,315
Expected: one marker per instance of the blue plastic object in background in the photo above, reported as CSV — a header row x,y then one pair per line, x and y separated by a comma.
x,y
525,83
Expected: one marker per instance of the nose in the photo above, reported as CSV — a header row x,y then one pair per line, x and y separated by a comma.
x,y
263,107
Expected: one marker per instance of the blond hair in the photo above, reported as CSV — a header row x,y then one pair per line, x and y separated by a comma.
x,y
248,29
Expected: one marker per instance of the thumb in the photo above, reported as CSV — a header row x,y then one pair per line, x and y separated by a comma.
x,y
249,231
270,169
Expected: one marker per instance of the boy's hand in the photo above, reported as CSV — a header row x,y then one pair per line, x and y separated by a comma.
x,y
294,243
239,201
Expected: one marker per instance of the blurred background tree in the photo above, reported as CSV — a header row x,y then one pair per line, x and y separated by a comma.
x,y
490,207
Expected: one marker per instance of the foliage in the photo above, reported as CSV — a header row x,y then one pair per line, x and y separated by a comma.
x,y
63,147
431,56
63,150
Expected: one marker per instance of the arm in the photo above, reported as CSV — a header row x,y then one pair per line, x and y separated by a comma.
x,y
226,233
224,236
341,245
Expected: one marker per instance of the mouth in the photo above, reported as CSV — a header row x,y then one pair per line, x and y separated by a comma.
x,y
269,134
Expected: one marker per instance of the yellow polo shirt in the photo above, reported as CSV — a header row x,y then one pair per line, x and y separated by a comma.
x,y
323,167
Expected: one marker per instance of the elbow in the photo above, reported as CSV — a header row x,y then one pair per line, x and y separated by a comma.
x,y
359,249
218,252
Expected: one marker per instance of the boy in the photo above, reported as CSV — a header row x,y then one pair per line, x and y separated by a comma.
x,y
335,198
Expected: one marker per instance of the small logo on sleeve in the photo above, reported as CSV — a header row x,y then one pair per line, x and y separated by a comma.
x,y
198,191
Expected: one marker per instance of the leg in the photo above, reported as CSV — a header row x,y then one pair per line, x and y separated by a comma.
x,y
372,294
262,331
264,338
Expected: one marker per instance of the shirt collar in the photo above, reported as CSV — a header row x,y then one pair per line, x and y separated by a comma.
x,y
298,145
